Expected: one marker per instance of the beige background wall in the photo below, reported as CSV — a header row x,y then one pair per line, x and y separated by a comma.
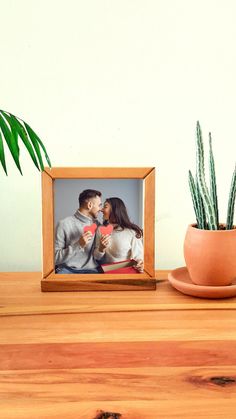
x,y
116,83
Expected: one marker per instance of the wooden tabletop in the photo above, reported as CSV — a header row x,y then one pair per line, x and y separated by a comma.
x,y
139,354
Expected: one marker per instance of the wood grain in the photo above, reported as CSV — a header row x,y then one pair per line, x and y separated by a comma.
x,y
149,223
35,302
47,224
220,408
98,172
165,355
116,354
78,384
120,327
100,282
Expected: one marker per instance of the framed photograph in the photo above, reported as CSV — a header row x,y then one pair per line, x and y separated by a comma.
x,y
98,229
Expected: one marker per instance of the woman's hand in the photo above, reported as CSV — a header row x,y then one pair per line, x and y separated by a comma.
x,y
140,266
104,242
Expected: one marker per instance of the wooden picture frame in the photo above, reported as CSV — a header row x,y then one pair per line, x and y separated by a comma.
x,y
98,282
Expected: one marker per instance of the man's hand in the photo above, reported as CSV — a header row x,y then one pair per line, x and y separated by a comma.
x,y
139,267
104,243
85,239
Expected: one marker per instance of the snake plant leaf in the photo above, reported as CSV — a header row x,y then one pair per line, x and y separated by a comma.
x,y
207,200
201,211
2,155
36,141
231,202
213,186
11,141
18,129
192,187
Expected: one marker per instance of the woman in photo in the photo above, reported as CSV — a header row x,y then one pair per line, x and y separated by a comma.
x,y
124,242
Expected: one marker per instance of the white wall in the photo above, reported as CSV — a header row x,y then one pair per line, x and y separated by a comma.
x,y
116,83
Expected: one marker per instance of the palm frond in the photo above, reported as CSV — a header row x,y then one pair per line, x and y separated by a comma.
x,y
11,130
2,155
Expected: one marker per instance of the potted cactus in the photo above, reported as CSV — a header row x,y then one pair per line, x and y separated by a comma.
x,y
12,129
210,246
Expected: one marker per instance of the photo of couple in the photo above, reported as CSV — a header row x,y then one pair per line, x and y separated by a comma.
x,y
83,243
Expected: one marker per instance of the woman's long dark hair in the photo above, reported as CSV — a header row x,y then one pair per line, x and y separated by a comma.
x,y
119,216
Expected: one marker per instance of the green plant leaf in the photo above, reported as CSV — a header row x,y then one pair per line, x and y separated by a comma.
x,y
2,155
44,149
11,140
231,202
206,198
35,140
21,131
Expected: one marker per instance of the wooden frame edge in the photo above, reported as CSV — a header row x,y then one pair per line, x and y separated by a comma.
x,y
149,224
98,172
47,225
58,282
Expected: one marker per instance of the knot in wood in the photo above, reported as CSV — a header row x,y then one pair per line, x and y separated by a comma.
x,y
108,415
222,381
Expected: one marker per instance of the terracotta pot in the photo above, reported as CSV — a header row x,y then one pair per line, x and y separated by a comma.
x,y
210,256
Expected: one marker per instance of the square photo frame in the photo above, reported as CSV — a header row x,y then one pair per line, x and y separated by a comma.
x,y
58,185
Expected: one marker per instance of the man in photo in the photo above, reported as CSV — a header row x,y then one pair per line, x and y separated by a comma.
x,y
74,242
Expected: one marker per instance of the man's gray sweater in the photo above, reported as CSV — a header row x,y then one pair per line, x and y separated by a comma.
x,y
67,249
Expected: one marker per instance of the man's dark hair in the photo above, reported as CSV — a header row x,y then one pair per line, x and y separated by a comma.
x,y
86,195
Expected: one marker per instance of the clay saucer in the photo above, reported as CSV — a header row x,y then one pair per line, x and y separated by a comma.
x,y
180,279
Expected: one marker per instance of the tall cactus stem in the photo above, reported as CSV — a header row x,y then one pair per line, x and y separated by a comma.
x,y
193,191
201,210
213,187
231,202
207,201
